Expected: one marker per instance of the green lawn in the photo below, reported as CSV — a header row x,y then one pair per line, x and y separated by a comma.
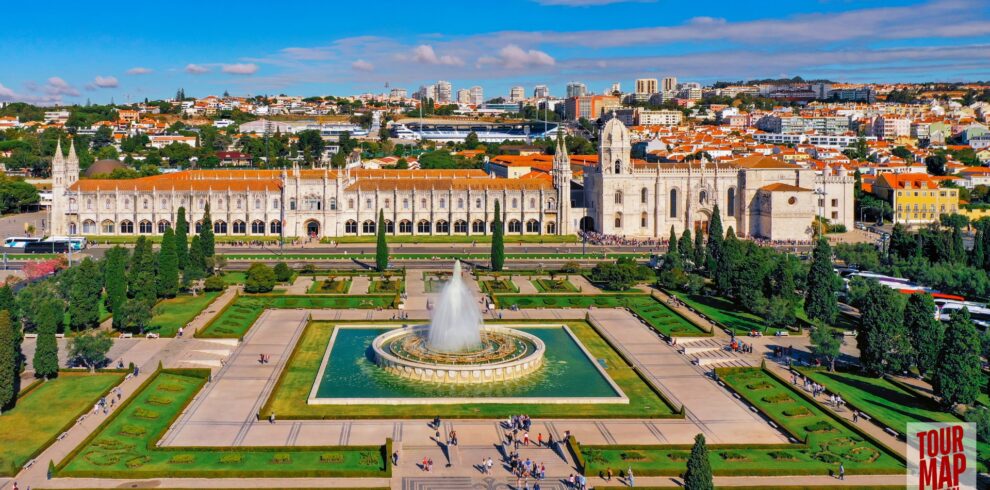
x,y
124,445
829,441
233,278
497,286
292,390
267,257
170,314
46,411
655,313
327,286
723,311
235,320
554,285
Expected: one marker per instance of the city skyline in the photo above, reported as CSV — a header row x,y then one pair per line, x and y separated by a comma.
x,y
142,52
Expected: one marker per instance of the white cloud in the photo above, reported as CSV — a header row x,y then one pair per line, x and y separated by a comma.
x,y
196,69
424,53
105,82
240,68
361,65
139,70
513,57
58,87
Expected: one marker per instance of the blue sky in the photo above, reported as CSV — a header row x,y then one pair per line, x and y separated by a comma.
x,y
133,50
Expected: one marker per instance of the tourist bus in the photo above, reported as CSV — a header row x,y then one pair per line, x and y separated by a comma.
x,y
48,247
978,312
76,242
19,241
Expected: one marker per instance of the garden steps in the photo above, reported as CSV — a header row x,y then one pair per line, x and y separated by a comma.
x,y
699,345
719,358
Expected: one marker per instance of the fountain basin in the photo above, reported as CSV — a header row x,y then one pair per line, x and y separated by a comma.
x,y
504,354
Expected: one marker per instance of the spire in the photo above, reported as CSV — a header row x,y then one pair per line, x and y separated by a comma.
x,y
58,157
561,153
72,152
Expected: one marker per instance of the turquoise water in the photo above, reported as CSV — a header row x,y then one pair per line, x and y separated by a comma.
x,y
567,372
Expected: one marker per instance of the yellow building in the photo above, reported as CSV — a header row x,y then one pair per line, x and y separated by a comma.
x,y
916,198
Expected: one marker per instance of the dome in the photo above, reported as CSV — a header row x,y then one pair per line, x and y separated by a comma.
x,y
103,167
615,133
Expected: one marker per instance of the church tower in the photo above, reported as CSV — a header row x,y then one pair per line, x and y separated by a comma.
x,y
562,182
65,172
615,149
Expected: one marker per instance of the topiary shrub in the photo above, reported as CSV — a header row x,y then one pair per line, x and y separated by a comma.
x,y
182,459
214,283
331,458
778,398
797,412
820,426
281,458
230,458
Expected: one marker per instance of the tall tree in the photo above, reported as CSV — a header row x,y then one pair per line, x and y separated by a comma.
x,y
167,280
141,273
115,278
498,241
715,239
825,345
9,362
729,256
381,248
699,251
976,255
7,301
48,321
84,295
196,268
90,349
699,468
182,238
924,330
207,241
685,247
672,241
820,302
957,376
883,343
957,247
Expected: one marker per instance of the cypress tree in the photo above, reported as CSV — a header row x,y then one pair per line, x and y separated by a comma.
x,y
976,257
884,346
7,300
924,330
141,273
684,246
381,249
115,279
167,280
498,245
207,241
958,249
957,376
715,240
699,251
84,295
820,302
182,239
986,247
672,241
9,361
196,268
726,261
699,469
48,320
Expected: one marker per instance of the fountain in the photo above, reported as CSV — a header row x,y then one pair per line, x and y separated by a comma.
x,y
457,347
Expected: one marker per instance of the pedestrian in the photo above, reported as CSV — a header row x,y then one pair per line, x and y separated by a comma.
x,y
855,416
630,477
271,418
842,471
526,439
488,465
608,474
539,439
424,463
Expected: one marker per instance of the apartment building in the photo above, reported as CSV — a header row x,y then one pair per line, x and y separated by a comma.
x,y
646,86
916,198
589,106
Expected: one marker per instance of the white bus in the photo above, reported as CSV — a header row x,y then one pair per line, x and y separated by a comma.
x,y
978,312
19,241
76,242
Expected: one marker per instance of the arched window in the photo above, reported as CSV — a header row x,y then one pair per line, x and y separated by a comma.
x,y
405,226
198,227
532,203
368,227
127,203
551,203
644,220
703,197
423,226
164,203
515,226
238,205
292,204
275,204
108,204
107,227
477,204
730,201
240,227
422,204
389,227
388,204
618,167
478,226
515,203
551,228
202,203
72,229
144,227
405,204
443,203
350,204
644,195
350,227
618,197
220,203
89,204
220,227
532,226
257,204
460,203
618,220
89,227
145,203
673,203
276,227
460,226
126,226
257,227
333,203
367,203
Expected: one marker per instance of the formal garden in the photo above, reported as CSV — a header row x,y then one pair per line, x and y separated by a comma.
x,y
125,445
330,285
291,392
820,441
240,314
497,285
45,409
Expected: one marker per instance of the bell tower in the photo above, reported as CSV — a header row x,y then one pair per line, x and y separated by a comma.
x,y
562,182
615,149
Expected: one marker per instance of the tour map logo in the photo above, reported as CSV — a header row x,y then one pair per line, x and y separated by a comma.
x,y
941,456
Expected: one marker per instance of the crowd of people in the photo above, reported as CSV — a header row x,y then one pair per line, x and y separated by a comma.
x,y
595,238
